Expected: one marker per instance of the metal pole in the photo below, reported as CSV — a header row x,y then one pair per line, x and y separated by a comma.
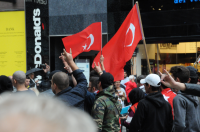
x,y
157,58
144,41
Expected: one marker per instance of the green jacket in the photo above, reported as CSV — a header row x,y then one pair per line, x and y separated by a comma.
x,y
106,110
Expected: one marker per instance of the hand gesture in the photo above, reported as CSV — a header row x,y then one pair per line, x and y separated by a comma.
x,y
68,56
167,80
47,68
97,68
101,59
67,67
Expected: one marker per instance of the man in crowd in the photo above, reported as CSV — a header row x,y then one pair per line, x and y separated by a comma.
x,y
60,85
130,85
168,95
106,109
153,113
27,82
19,79
186,107
5,84
126,79
91,94
167,80
139,85
24,113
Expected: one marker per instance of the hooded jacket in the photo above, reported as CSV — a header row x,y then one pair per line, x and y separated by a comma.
x,y
129,86
75,96
135,96
192,89
106,110
186,113
153,114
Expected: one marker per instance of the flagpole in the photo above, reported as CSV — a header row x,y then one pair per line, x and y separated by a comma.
x,y
143,37
101,38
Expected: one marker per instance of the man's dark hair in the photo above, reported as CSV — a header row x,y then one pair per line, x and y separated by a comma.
x,y
94,82
5,84
153,88
194,80
61,79
140,77
180,72
93,73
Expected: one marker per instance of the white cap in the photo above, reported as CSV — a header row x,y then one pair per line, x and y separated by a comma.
x,y
152,79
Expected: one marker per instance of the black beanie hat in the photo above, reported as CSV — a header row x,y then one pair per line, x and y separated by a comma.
x,y
106,80
5,84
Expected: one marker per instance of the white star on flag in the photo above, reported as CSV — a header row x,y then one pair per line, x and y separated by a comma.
x,y
166,97
84,47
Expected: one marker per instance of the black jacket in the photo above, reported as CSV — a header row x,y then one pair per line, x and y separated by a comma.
x,y
153,114
75,96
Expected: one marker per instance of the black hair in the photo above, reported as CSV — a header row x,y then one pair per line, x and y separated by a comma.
x,y
180,72
153,88
93,73
94,82
194,80
140,77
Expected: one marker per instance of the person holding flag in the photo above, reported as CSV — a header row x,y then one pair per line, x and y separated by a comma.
x,y
120,48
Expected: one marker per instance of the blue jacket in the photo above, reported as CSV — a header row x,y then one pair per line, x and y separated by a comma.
x,y
89,101
75,96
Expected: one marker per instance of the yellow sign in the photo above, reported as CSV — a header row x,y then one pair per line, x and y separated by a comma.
x,y
12,42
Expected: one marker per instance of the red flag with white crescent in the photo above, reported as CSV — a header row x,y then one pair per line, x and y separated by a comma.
x,y
88,39
122,45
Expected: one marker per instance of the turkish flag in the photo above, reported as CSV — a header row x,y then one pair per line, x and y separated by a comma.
x,y
121,46
84,41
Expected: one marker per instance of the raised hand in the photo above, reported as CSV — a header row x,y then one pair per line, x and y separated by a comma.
x,y
67,67
101,59
97,68
69,59
68,56
47,68
167,79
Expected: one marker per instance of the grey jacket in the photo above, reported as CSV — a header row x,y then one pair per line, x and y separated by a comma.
x,y
186,113
192,89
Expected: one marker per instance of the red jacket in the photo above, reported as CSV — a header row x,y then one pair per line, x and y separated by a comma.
x,y
129,86
169,96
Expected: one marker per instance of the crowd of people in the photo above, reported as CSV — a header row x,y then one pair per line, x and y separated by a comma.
x,y
64,101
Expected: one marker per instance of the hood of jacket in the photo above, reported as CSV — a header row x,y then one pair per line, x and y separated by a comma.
x,y
156,98
136,95
108,92
192,98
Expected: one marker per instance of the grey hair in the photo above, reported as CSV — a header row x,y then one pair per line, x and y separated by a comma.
x,y
22,113
20,77
131,77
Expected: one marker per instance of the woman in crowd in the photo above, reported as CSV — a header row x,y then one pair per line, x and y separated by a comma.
x,y
121,92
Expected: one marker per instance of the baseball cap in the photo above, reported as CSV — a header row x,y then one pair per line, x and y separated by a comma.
x,y
152,79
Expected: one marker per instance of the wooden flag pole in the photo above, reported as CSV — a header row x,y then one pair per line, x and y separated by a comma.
x,y
101,38
143,37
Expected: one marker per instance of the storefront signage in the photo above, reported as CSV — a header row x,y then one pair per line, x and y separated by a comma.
x,y
37,33
13,42
184,1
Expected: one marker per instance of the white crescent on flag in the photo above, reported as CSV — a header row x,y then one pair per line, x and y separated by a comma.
x,y
92,40
132,28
